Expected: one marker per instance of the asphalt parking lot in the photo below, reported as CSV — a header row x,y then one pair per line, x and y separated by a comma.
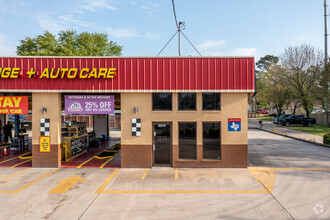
x,y
286,179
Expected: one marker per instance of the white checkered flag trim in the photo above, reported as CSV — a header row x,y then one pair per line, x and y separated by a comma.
x,y
136,127
44,127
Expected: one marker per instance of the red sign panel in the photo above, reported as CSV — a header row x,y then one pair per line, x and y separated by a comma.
x,y
17,105
234,120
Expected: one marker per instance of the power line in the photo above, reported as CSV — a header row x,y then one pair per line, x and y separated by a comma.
x,y
191,43
167,43
176,21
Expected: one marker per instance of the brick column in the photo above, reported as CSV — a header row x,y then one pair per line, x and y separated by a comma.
x,y
52,102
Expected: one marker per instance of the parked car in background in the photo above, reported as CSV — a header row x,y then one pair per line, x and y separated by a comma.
x,y
264,112
276,120
297,119
318,111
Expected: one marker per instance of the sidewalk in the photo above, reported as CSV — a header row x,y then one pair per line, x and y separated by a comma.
x,y
270,126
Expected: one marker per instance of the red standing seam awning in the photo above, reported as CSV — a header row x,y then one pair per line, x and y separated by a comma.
x,y
136,74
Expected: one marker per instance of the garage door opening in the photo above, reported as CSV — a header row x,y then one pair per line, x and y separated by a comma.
x,y
90,140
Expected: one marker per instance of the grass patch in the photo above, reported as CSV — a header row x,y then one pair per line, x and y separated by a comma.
x,y
266,118
319,130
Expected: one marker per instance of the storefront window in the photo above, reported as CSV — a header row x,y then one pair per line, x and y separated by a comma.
x,y
211,101
187,101
187,141
211,141
162,101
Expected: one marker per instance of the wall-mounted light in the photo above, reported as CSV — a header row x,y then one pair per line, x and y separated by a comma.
x,y
43,110
135,110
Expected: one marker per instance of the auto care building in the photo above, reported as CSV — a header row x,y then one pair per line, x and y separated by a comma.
x,y
175,111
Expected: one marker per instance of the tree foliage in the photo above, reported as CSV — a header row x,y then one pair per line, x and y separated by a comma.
x,y
69,43
302,65
263,66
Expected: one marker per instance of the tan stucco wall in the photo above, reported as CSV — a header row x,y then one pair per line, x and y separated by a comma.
x,y
233,105
52,101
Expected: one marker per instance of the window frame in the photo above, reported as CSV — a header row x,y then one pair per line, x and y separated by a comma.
x,y
161,110
213,159
211,109
195,109
186,159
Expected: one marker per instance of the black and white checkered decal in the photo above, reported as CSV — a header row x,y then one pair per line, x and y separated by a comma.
x,y
44,127
136,127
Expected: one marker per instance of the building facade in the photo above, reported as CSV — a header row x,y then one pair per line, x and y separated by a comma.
x,y
175,111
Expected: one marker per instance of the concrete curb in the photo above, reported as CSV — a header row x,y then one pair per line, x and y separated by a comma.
x,y
299,139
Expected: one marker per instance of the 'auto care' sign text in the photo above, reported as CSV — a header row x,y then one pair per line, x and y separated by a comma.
x,y
59,73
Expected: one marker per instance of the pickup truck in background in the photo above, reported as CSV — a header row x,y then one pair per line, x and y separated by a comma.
x,y
276,120
297,119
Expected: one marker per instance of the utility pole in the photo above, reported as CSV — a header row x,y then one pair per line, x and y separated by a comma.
x,y
179,31
180,26
325,33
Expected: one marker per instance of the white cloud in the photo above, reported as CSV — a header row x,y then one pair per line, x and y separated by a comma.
x,y
94,5
151,36
243,52
301,38
50,24
5,48
150,8
211,45
120,32
60,23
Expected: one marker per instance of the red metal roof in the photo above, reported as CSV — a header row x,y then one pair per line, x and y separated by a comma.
x,y
135,74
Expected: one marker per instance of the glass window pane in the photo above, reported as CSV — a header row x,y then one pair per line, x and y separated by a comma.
x,y
187,141
187,101
211,141
162,101
211,101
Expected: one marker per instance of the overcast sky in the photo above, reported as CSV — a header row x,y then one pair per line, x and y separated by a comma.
x,y
215,27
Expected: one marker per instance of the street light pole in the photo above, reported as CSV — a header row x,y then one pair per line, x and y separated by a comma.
x,y
325,33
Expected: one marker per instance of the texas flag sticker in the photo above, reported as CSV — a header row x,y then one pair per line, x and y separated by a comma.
x,y
234,124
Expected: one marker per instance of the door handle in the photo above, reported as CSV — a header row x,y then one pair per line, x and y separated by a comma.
x,y
153,147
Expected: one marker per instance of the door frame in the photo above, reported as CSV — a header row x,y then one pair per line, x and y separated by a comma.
x,y
171,145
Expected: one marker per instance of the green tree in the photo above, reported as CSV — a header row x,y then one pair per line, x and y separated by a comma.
x,y
267,61
301,64
69,43
263,66
276,90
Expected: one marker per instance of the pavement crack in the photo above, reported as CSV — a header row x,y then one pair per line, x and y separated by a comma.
x,y
89,206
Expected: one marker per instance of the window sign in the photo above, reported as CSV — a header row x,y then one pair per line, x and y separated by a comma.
x,y
89,104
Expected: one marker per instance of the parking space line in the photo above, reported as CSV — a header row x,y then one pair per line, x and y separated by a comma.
x,y
107,181
3,146
106,162
302,168
145,174
21,163
27,185
76,156
15,174
85,162
176,174
184,192
9,160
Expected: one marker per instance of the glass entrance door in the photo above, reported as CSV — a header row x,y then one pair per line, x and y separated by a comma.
x,y
162,143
